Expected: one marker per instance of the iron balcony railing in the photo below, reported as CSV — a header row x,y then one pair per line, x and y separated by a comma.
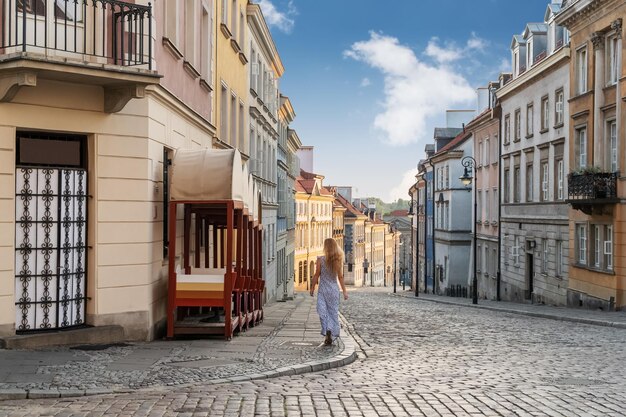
x,y
592,186
94,31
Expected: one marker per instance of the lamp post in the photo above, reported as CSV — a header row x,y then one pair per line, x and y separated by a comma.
x,y
469,175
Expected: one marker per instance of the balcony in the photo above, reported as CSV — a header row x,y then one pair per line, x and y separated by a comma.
x,y
96,42
590,192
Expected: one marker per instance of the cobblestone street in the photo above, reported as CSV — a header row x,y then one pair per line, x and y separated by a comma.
x,y
419,358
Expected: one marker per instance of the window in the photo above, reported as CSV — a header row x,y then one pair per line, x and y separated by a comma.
x,y
518,122
581,148
224,12
558,108
494,261
544,256
487,206
479,157
506,185
581,70
581,242
516,184
233,121
479,258
560,190
205,46
529,182
507,129
608,247
529,120
447,176
487,151
242,144
612,60
612,133
545,113
190,32
494,209
242,29
545,195
559,258
224,114
233,17
479,200
596,245
516,250
171,21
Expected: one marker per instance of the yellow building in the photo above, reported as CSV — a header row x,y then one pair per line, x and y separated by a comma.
x,y
231,79
314,217
596,187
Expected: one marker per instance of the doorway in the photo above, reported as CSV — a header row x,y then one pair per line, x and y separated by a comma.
x,y
530,275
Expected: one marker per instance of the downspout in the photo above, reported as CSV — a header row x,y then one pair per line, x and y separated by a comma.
x,y
416,239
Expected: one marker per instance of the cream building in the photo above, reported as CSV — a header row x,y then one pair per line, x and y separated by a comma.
x,y
265,69
314,215
88,130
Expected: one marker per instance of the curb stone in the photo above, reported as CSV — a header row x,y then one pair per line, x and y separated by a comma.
x,y
43,393
13,394
549,316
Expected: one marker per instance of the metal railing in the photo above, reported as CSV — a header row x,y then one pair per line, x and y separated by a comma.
x,y
99,31
592,186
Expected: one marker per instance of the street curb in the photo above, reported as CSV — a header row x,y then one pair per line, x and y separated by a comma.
x,y
549,316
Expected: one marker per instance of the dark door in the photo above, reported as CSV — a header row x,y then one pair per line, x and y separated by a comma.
x,y
530,275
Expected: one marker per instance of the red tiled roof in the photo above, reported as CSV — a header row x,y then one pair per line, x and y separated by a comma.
x,y
349,207
399,213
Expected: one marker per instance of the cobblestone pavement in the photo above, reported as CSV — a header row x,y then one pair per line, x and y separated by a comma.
x,y
419,358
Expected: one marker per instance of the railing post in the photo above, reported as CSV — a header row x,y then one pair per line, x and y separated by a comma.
x,y
24,25
150,36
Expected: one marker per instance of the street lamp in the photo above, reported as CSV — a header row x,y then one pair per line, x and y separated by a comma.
x,y
469,174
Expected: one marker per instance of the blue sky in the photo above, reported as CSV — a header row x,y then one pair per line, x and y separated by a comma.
x,y
369,80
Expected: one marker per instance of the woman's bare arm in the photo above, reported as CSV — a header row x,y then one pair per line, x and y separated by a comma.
x,y
343,285
316,276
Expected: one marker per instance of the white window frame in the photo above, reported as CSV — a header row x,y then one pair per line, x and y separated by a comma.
x,y
545,113
608,247
558,107
545,181
597,250
518,124
581,70
581,147
612,56
581,242
529,120
529,181
560,181
612,144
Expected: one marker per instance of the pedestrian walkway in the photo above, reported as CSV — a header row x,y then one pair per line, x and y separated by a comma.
x,y
288,342
593,317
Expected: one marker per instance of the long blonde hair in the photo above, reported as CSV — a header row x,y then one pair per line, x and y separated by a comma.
x,y
333,255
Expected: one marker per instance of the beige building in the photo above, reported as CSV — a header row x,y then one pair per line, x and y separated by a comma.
x,y
314,216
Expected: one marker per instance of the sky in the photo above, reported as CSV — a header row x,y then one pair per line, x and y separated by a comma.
x,y
369,80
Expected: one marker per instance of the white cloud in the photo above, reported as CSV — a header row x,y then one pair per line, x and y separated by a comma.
x,y
443,55
402,190
505,65
477,43
414,90
365,82
282,20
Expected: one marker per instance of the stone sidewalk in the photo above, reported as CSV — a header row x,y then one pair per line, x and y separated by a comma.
x,y
593,317
288,342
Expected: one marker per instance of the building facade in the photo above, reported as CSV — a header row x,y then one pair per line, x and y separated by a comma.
x,y
401,222
354,238
288,144
534,148
314,217
453,228
264,70
485,132
105,126
597,278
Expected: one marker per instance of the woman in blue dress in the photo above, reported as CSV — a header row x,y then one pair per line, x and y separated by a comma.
x,y
329,274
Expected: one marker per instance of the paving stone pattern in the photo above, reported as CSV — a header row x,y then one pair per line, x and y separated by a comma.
x,y
419,359
289,335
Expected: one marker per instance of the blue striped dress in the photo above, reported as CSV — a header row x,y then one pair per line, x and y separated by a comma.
x,y
328,300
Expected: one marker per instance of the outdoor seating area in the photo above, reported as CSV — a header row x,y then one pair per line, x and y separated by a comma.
x,y
215,281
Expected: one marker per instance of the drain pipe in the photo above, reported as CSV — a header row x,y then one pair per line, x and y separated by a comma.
x,y
430,162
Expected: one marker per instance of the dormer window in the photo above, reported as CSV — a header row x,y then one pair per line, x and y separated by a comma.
x,y
529,54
